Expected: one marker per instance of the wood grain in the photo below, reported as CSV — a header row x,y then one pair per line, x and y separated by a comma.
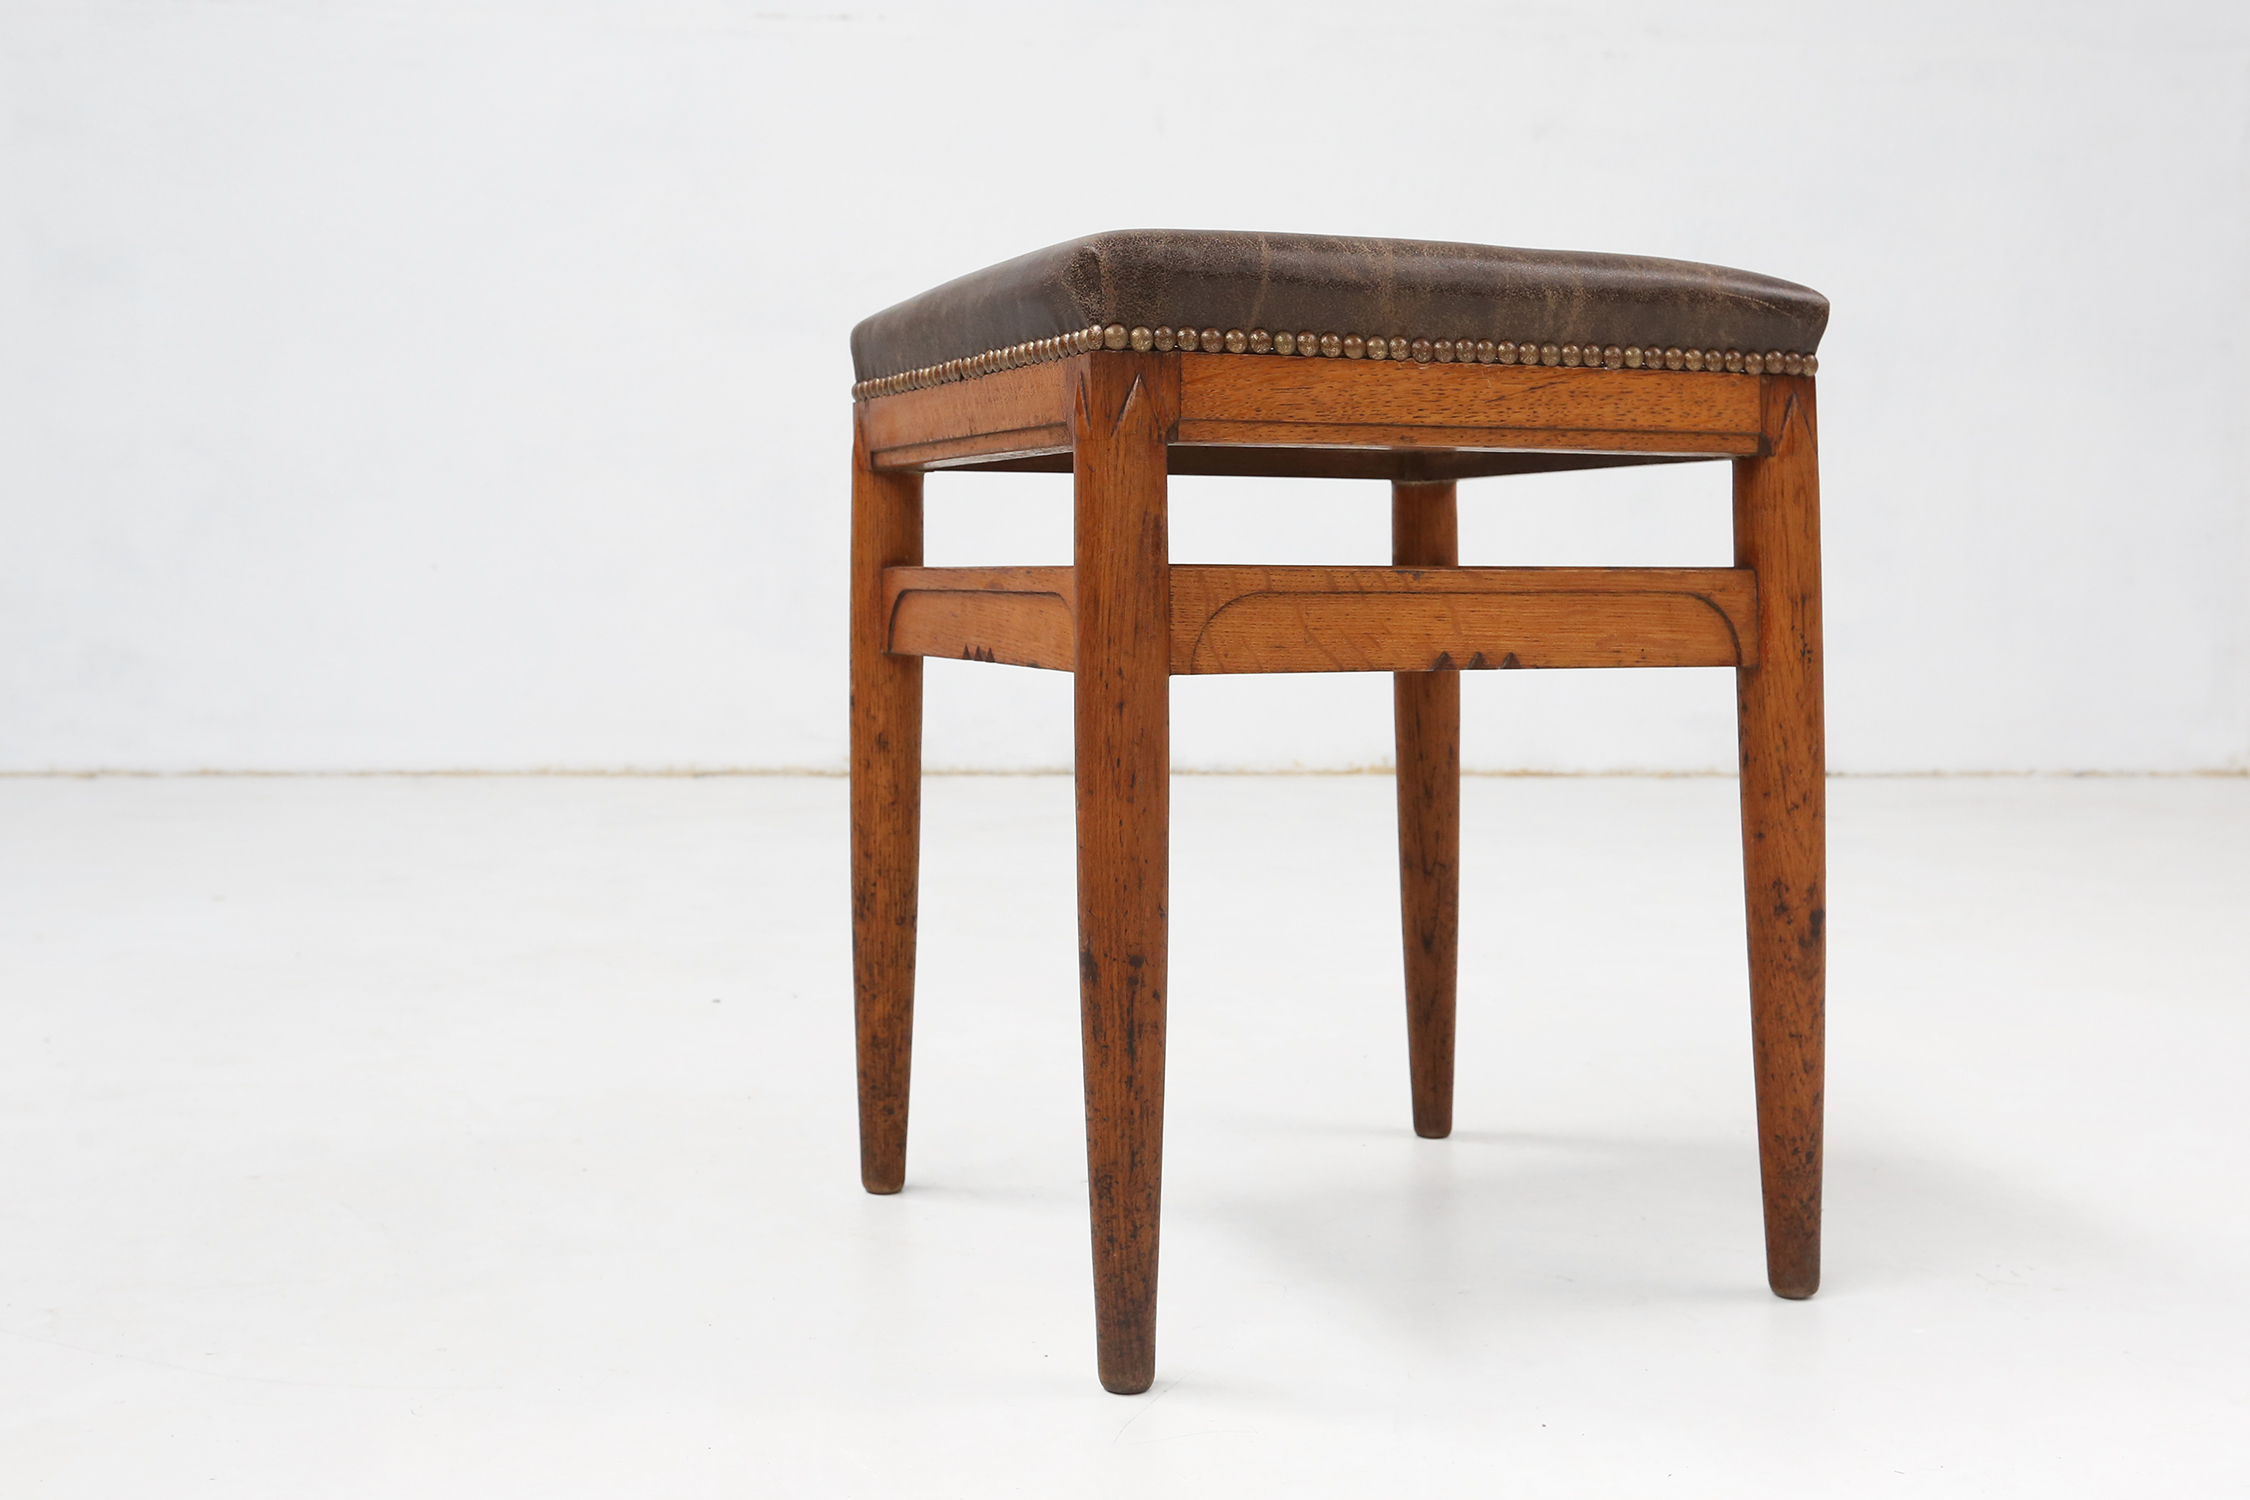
x,y
886,813
1356,403
1244,619
1445,415
1124,409
1426,712
1784,826
1007,414
1020,617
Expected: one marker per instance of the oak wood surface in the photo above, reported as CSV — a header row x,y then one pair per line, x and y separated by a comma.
x,y
1342,619
1123,412
1009,412
1426,708
1274,404
1392,404
1336,619
1784,838
1404,435
886,813
1016,616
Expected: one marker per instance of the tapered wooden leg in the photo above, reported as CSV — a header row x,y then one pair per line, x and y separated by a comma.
x,y
886,750
1126,406
1784,837
1424,532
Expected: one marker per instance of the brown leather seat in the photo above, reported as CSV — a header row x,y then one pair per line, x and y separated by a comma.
x,y
1425,297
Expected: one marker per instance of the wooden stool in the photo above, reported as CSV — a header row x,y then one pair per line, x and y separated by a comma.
x,y
1125,357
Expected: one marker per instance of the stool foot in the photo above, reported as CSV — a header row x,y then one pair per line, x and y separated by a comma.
x,y
1784,829
1427,711
886,801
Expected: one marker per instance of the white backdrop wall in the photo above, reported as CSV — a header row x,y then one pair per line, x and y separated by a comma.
x,y
419,385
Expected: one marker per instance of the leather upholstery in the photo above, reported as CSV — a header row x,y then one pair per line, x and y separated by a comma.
x,y
1336,284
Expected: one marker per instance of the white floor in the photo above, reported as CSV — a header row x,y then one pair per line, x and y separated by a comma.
x,y
493,1137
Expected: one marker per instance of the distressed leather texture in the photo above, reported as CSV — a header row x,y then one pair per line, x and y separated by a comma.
x,y
1337,284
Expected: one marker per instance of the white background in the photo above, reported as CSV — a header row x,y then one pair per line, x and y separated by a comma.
x,y
418,385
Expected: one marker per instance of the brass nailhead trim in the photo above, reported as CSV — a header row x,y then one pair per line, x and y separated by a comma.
x,y
1338,346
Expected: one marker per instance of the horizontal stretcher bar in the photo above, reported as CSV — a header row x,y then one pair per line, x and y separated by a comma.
x,y
1373,619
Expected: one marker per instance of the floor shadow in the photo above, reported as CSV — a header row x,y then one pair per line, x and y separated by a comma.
x,y
1452,1238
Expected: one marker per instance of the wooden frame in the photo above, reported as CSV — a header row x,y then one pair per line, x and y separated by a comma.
x,y
1278,405
1125,619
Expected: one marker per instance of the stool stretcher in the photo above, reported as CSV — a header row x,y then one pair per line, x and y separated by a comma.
x,y
1228,619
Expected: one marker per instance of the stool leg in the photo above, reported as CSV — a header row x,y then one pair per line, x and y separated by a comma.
x,y
886,798
1123,701
1424,532
1784,837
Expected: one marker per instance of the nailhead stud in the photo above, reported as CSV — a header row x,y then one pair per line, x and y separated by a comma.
x,y
1116,336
